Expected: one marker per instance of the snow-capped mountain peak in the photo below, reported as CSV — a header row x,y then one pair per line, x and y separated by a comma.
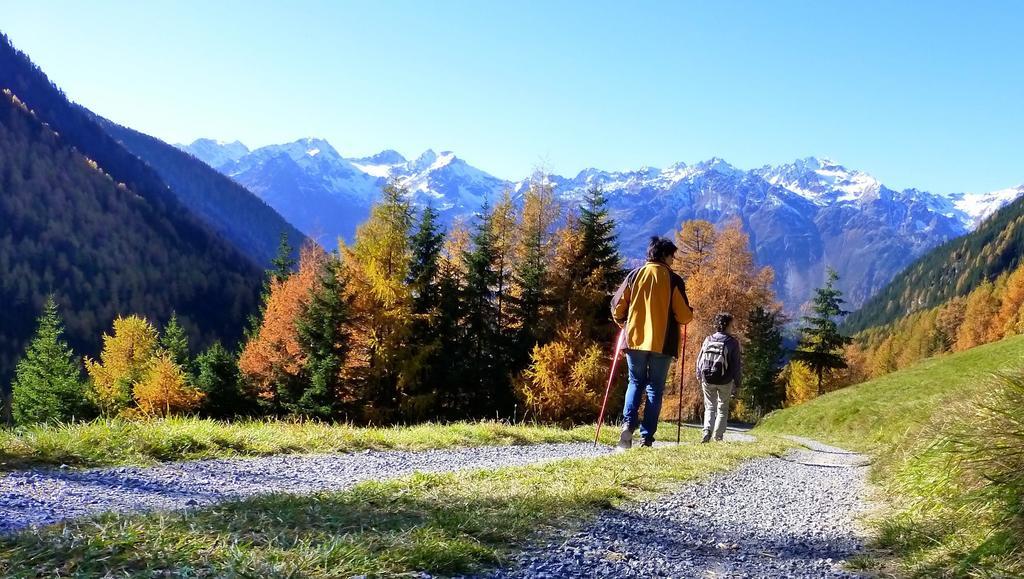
x,y
215,153
978,206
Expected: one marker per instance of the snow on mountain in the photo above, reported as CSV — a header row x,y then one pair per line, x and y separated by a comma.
x,y
978,206
801,216
215,153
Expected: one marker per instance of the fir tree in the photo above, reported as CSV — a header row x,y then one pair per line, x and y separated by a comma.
x,y
600,251
486,375
821,342
218,379
284,262
324,343
174,341
426,246
48,383
762,362
421,375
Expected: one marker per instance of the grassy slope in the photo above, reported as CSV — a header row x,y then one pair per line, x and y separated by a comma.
x,y
937,522
880,415
442,523
119,442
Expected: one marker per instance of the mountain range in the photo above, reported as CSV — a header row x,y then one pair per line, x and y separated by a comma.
x,y
802,216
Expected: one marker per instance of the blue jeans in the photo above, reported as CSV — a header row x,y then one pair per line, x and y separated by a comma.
x,y
647,374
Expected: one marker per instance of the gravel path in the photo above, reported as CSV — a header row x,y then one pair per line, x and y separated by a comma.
x,y
791,516
39,497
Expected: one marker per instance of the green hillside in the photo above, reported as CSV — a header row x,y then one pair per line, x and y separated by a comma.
x,y
952,269
946,437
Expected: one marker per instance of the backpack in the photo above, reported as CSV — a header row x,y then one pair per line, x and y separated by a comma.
x,y
713,362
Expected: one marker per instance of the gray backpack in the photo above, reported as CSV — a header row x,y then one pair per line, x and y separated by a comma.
x,y
713,361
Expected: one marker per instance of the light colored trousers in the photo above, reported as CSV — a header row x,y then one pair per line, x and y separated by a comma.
x,y
716,408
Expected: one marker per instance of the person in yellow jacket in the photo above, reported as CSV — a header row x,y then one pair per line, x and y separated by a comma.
x,y
651,305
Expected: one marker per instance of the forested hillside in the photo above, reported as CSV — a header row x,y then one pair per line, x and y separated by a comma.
x,y
88,221
953,269
234,212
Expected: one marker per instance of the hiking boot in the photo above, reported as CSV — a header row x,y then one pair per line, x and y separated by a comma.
x,y
648,442
626,438
706,439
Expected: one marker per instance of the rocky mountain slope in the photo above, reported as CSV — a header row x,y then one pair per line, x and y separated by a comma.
x,y
802,216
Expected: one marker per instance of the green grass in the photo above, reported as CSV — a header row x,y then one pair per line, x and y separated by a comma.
x,y
938,432
441,523
143,442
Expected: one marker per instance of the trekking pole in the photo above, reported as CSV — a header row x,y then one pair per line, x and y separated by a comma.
x,y
611,376
682,378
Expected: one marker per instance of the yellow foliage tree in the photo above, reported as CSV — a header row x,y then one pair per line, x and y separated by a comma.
x,y
564,382
979,315
800,381
163,391
127,356
1010,319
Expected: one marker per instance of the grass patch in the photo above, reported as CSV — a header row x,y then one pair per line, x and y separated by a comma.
x,y
143,442
948,440
439,523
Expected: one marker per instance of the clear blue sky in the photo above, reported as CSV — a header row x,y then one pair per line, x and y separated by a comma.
x,y
925,94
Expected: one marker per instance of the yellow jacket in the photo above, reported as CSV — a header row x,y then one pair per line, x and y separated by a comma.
x,y
651,304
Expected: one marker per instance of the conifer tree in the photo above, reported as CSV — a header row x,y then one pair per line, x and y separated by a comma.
x,y
324,340
378,269
283,263
762,358
421,374
218,379
487,383
599,252
174,341
821,343
535,252
48,384
163,391
126,358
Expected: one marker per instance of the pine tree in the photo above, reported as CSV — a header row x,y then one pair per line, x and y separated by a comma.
x,y
324,341
48,383
535,251
426,245
218,379
821,342
762,361
174,341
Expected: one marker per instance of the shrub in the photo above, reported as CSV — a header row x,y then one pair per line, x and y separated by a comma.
x,y
565,378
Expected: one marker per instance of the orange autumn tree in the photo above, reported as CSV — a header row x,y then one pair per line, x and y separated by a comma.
x,y
718,267
272,359
163,391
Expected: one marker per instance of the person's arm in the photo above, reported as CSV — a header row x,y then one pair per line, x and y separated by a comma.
x,y
736,363
620,302
681,305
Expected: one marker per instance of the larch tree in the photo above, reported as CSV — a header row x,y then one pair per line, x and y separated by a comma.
x,y
124,361
821,343
541,211
48,384
272,359
980,312
377,271
717,265
164,390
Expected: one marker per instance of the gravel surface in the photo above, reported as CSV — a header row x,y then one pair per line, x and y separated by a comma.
x,y
793,516
44,496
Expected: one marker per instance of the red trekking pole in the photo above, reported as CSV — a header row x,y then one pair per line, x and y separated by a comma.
x,y
619,340
682,378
